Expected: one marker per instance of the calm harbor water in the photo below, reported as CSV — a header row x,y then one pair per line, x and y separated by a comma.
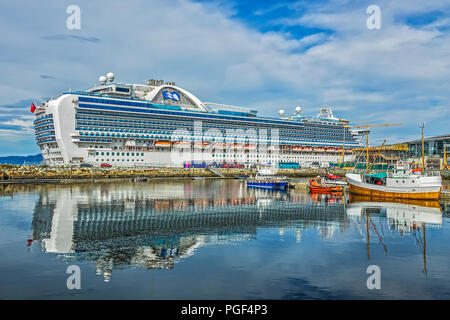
x,y
215,239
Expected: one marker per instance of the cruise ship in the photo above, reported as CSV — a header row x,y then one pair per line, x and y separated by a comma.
x,y
162,125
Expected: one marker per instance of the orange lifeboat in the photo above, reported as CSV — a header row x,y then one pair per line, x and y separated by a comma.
x,y
163,143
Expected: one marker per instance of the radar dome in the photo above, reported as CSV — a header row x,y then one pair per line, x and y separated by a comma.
x,y
102,80
110,76
281,113
298,110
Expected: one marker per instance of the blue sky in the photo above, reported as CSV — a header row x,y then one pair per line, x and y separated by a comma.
x,y
269,55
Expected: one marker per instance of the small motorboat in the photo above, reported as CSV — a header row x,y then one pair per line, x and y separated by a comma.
x,y
334,180
266,179
319,185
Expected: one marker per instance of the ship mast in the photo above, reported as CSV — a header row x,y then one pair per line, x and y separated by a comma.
x,y
423,150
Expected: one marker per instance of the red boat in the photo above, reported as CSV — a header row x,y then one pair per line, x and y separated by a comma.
x,y
316,186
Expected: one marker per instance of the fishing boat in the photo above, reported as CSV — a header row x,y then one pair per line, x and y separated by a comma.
x,y
401,183
319,185
266,179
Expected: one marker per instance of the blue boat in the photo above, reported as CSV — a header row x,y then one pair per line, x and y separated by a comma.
x,y
267,185
265,179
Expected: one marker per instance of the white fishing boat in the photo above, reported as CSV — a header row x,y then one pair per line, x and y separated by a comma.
x,y
402,183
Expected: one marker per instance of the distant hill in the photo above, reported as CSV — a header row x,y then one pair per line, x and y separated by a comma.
x,y
29,160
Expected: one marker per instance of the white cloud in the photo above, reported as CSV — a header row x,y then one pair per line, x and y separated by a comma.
x,y
219,59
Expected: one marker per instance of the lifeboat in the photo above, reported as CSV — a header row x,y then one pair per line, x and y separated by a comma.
x,y
219,145
319,149
202,144
237,146
330,150
182,144
163,144
250,146
297,148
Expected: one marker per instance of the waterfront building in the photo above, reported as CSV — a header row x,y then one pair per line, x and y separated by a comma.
x,y
432,146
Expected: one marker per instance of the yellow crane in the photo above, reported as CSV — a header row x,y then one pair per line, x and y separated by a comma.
x,y
372,126
376,157
445,167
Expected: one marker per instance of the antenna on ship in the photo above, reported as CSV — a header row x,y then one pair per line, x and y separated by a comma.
x,y
423,151
102,79
110,77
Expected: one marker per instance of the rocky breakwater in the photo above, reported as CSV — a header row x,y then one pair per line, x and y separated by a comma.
x,y
67,173
76,173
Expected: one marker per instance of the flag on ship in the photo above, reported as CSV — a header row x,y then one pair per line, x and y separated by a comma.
x,y
33,107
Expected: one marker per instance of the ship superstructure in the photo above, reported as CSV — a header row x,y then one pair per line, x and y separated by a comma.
x,y
161,124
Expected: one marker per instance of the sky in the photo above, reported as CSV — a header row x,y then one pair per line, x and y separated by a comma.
x,y
268,55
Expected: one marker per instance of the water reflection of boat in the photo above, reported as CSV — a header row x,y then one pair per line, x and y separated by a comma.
x,y
403,212
403,215
117,226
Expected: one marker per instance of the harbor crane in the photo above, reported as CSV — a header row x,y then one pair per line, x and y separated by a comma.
x,y
367,132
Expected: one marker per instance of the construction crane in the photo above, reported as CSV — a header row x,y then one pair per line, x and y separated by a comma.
x,y
376,157
372,126
445,166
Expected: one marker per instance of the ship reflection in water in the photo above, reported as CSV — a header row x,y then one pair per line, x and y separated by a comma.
x,y
156,226
218,239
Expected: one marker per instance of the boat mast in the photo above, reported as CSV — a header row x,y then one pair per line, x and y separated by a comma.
x,y
367,162
423,150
